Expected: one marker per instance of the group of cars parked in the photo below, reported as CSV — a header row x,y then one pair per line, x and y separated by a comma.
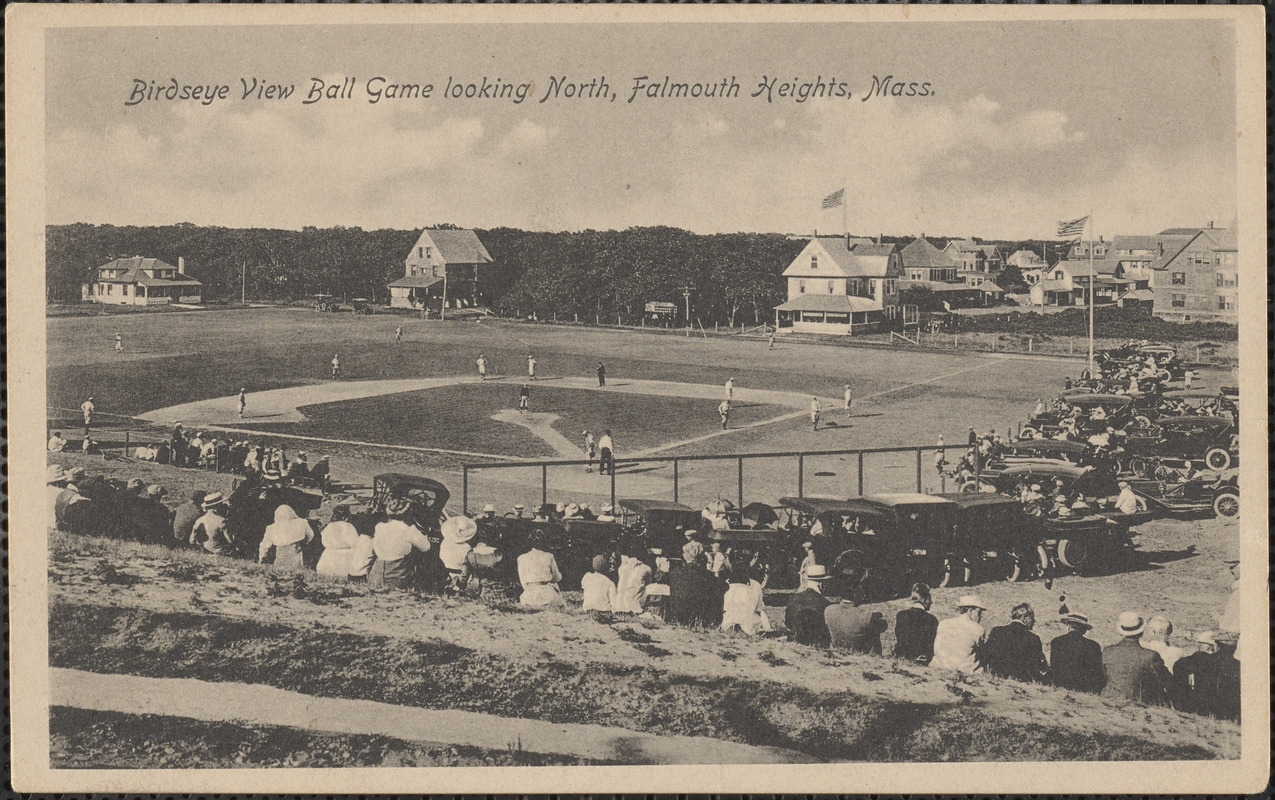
x,y
984,531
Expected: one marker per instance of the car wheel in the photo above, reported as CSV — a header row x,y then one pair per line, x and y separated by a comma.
x,y
1011,566
1226,504
1028,432
1140,467
1073,552
1217,459
1143,420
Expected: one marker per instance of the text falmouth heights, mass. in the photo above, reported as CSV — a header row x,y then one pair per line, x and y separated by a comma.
x,y
558,88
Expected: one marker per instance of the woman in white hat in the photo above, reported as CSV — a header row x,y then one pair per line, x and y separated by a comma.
x,y
210,530
454,550
394,542
346,553
538,573
958,643
55,477
288,535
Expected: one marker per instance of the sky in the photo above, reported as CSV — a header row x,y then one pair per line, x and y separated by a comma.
x,y
1025,124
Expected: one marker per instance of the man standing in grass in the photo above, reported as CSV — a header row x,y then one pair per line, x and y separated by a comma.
x,y
336,366
605,445
723,411
524,397
590,450
730,389
88,408
243,400
531,367
482,367
815,410
849,398
602,374
119,345
398,334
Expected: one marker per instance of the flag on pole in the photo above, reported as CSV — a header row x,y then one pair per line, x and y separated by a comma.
x,y
833,200
1074,228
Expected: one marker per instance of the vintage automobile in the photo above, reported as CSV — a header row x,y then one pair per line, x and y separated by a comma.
x,y
1117,411
1054,449
573,542
1090,481
1215,440
1203,494
428,499
659,523
994,538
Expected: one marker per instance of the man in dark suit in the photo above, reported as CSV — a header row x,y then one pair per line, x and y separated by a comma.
x,y
1133,672
1193,679
1013,651
851,626
804,615
694,595
914,628
1076,662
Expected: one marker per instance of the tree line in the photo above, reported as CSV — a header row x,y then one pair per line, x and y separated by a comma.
x,y
733,278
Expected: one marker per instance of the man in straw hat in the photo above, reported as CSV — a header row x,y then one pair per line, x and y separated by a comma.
x,y
1076,661
958,643
805,613
210,530
1133,672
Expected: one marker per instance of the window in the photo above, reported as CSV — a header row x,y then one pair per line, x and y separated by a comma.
x,y
889,286
420,252
915,274
1178,301
1225,303
429,251
801,287
830,285
872,287
814,261
124,289
110,288
1058,274
1179,279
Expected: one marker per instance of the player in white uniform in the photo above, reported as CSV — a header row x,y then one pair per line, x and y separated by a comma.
x,y
815,410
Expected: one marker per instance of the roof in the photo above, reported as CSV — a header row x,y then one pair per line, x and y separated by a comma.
x,y
905,498
854,258
1138,294
990,287
966,246
137,265
990,249
642,506
923,253
834,303
817,505
458,246
1079,267
938,287
1028,254
415,282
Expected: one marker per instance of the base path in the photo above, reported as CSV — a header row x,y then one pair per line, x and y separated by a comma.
x,y
253,704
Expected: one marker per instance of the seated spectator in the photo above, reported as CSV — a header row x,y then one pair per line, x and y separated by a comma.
x,y
395,542
1127,502
538,573
599,590
742,606
56,443
299,469
804,615
457,532
288,535
1075,662
1193,678
631,582
321,473
1156,637
958,641
482,565
489,511
346,553
89,446
210,531
695,596
606,513
153,519
1134,673
655,600
718,561
851,626
1013,651
914,628
1223,697
570,511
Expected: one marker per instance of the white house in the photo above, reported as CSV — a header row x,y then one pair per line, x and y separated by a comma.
x,y
441,267
840,284
141,281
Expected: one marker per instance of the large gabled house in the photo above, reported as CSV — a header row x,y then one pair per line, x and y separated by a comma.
x,y
840,284
141,281
442,267
926,266
1200,283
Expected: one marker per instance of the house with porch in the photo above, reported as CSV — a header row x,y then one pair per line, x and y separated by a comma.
x,y
840,284
925,265
441,270
141,281
1068,284
1030,265
1200,283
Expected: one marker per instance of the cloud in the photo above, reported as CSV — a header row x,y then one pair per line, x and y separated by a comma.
x,y
526,137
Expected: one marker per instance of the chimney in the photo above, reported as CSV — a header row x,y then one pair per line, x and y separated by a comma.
x,y
1161,249
880,236
1210,224
847,240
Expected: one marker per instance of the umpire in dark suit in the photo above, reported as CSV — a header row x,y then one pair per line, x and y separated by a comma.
x,y
1076,662
1013,651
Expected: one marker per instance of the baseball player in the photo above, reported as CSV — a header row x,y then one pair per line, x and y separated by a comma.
x,y
723,411
531,367
524,397
815,410
849,398
336,366
482,367
243,400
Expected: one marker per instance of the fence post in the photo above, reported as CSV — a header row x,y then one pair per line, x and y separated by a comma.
x,y
125,443
918,470
674,480
544,485
464,489
613,484
741,483
1029,344
801,476
861,473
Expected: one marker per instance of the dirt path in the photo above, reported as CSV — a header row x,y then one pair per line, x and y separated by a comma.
x,y
254,704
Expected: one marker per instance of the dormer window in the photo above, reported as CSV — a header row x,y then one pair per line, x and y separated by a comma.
x,y
814,262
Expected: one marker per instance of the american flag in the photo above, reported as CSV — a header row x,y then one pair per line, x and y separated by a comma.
x,y
1074,228
833,200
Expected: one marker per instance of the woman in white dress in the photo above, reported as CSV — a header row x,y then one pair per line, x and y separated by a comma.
x,y
742,606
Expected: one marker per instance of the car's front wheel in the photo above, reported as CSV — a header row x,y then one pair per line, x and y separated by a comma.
x,y
1218,459
1226,504
1073,552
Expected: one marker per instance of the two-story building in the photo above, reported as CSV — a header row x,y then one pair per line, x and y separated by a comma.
x,y
976,262
840,284
141,281
926,266
443,266
1139,258
1030,265
1067,283
1201,282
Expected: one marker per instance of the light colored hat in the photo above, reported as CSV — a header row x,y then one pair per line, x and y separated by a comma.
x,y
1130,623
213,500
817,573
397,507
154,490
489,508
459,529
970,601
54,474
271,475
1226,637
519,507
1206,637
1035,487
692,551
1075,618
607,508
1123,484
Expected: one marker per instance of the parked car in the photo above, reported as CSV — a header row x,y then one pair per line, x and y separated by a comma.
x,y
993,537
1214,440
1055,449
573,542
428,499
1117,408
1090,481
659,523
1205,493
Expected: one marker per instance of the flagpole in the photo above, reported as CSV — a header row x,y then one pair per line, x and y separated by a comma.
x,y
845,229
1091,293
